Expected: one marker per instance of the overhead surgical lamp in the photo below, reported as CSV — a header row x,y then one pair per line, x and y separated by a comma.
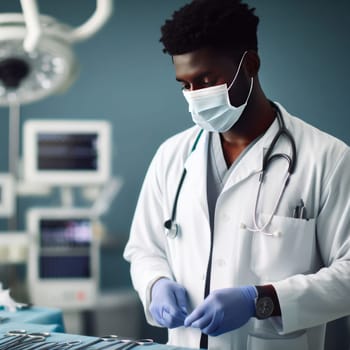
x,y
37,60
36,55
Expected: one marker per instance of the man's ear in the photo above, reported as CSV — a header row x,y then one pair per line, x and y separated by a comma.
x,y
252,63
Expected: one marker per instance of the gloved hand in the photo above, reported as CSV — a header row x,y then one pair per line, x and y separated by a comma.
x,y
168,303
223,310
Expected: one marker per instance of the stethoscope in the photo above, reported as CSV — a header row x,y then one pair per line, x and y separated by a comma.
x,y
173,228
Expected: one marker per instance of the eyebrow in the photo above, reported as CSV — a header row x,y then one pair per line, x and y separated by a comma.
x,y
198,77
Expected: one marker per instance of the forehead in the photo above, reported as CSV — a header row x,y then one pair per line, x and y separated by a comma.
x,y
202,60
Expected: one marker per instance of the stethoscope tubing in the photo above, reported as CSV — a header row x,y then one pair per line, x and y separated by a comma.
x,y
170,224
282,131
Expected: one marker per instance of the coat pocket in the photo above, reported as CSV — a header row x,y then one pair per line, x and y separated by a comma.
x,y
297,343
291,252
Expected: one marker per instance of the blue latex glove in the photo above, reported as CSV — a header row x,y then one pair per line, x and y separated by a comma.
x,y
223,310
168,303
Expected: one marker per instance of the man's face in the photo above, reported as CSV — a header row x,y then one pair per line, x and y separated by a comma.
x,y
206,67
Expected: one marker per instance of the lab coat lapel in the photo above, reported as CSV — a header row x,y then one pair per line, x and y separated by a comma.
x,y
196,166
251,162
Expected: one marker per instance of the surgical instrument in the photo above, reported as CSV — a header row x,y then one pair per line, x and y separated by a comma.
x,y
25,342
107,338
17,338
36,346
129,344
11,336
51,345
55,345
66,345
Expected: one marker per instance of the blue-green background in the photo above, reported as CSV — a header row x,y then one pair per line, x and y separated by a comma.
x,y
125,78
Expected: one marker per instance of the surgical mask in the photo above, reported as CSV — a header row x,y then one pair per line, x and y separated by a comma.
x,y
211,108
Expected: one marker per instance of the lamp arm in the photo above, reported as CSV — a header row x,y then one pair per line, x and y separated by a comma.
x,y
32,21
103,12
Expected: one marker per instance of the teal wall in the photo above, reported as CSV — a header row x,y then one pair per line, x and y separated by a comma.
x,y
125,78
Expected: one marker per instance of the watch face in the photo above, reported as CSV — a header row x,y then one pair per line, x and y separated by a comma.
x,y
264,307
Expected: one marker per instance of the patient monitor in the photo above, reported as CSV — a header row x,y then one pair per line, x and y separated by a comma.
x,y
66,152
63,266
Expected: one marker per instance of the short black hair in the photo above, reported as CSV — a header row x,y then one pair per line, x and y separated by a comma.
x,y
222,24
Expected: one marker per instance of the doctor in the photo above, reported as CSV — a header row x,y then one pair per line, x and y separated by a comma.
x,y
240,238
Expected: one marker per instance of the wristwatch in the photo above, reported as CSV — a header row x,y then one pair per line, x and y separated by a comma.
x,y
266,304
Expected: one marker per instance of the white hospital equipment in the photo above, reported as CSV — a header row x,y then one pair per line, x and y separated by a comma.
x,y
63,266
64,249
66,152
7,195
37,60
36,56
14,248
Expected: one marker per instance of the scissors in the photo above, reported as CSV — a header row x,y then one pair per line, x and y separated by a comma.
x,y
11,336
55,345
66,345
19,338
35,345
115,339
129,343
107,338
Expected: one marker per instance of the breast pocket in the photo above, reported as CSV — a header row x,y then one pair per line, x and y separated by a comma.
x,y
289,253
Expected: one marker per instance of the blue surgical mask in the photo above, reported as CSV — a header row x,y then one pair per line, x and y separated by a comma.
x,y
211,108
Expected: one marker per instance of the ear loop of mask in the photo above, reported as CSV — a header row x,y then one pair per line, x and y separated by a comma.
x,y
238,70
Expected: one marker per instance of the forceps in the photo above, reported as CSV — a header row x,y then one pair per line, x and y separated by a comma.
x,y
67,344
12,336
129,343
18,338
108,338
114,340
55,345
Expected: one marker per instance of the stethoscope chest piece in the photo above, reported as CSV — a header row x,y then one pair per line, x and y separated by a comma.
x,y
172,228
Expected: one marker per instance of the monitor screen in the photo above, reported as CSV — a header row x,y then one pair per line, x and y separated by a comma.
x,y
65,248
64,257
66,152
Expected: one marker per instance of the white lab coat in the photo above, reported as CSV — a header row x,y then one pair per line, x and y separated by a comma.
x,y
309,264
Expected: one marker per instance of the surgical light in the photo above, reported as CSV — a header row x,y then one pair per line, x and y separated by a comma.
x,y
36,52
